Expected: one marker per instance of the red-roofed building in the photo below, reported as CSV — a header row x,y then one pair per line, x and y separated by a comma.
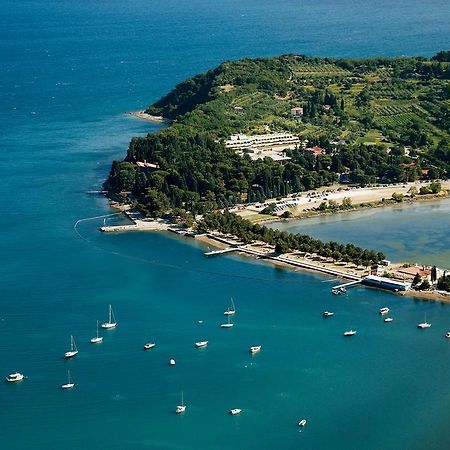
x,y
316,151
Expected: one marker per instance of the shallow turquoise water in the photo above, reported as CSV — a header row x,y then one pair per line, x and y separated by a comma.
x,y
69,70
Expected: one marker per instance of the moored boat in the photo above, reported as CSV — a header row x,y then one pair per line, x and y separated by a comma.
x,y
388,319
70,384
73,349
235,411
15,377
349,333
97,339
149,345
111,320
229,323
302,423
230,311
328,314
255,349
384,310
448,335
181,408
172,362
423,325
201,344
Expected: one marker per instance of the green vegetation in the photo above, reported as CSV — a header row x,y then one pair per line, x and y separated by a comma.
x,y
285,242
444,283
380,120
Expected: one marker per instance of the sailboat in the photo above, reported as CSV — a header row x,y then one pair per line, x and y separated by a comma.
x,y
229,323
69,384
181,408
73,349
424,324
111,320
230,311
97,339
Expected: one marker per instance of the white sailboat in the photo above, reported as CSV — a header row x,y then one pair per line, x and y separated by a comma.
x,y
97,339
230,311
149,345
229,323
111,320
73,349
70,384
201,344
349,333
181,408
424,324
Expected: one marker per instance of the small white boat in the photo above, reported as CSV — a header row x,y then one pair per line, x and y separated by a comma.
x,y
73,349
97,339
388,319
111,320
384,310
328,314
255,349
201,344
229,323
15,377
424,324
181,408
149,345
335,291
69,384
349,333
230,311
172,362
235,411
302,423
448,335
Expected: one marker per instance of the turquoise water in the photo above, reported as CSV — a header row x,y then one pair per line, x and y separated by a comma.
x,y
69,70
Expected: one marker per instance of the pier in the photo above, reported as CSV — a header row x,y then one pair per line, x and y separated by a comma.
x,y
345,285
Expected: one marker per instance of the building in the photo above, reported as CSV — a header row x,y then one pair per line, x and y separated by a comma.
x,y
316,151
408,273
297,112
386,283
144,165
260,146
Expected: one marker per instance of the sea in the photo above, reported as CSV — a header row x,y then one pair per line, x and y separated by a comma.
x,y
69,72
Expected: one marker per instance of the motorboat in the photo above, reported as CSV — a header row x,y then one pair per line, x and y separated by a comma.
x,y
15,377
384,310
172,362
448,335
335,291
388,319
73,349
97,339
349,333
181,408
255,349
328,314
302,423
235,411
201,344
424,325
149,345
111,320
70,384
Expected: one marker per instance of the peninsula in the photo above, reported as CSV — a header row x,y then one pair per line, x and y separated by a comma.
x,y
289,136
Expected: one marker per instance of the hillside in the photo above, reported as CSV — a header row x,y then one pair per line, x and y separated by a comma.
x,y
377,120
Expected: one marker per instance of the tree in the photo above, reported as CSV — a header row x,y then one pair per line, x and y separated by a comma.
x,y
281,247
444,283
417,279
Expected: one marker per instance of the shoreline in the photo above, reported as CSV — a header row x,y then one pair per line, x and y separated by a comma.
x,y
148,117
263,251
302,207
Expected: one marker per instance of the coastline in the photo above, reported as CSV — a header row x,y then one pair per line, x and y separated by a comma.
x,y
375,198
150,118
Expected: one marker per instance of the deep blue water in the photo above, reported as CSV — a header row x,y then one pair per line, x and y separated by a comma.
x,y
68,72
